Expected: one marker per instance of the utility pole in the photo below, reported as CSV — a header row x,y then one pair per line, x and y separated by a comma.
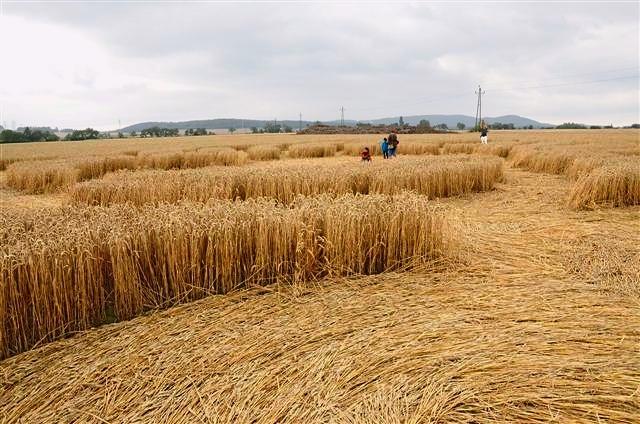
x,y
300,123
479,107
342,116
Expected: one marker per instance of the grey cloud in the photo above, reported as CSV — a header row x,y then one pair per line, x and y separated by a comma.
x,y
275,59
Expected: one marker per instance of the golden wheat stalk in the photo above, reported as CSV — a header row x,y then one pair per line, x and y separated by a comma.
x,y
432,177
613,186
66,270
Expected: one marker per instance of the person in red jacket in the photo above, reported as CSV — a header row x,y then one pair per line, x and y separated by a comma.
x,y
366,155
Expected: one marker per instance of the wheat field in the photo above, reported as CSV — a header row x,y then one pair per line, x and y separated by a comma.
x,y
277,278
283,181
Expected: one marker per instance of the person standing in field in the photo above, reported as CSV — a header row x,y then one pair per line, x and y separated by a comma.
x,y
366,155
393,144
483,133
384,146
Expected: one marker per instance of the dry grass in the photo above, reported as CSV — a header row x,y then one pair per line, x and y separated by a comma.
x,y
613,186
407,148
312,150
4,163
69,269
501,150
457,148
36,177
81,150
431,177
582,166
384,349
512,336
96,168
199,159
264,152
537,322
609,258
605,172
354,149
575,156
550,162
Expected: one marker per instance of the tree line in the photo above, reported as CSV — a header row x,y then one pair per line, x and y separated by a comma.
x,y
271,128
28,135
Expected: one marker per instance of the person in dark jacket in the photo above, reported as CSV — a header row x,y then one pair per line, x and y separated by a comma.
x,y
483,133
384,147
393,142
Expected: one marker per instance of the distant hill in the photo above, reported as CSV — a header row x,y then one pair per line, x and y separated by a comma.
x,y
211,124
450,120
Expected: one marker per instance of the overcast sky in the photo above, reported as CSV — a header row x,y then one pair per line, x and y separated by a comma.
x,y
79,64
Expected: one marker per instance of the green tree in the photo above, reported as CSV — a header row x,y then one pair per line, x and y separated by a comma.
x,y
232,130
423,127
159,132
197,131
254,130
8,136
272,127
571,126
86,134
401,121
460,126
29,135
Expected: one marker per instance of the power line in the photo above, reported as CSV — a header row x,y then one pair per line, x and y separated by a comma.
x,y
419,101
567,84
425,100
559,77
